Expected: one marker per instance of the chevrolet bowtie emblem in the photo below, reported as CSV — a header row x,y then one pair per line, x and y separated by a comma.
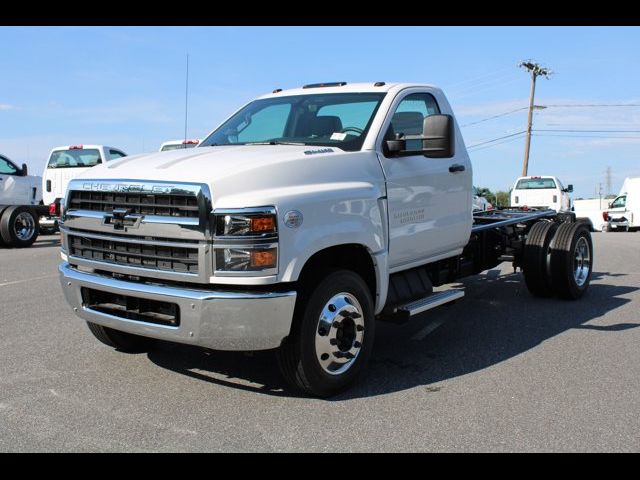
x,y
120,213
120,219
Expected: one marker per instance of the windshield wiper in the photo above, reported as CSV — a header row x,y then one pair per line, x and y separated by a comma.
x,y
275,142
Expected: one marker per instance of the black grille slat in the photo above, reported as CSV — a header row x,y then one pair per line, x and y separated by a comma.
x,y
179,205
169,258
131,308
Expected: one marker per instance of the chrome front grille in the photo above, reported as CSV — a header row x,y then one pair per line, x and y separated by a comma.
x,y
152,229
142,255
174,205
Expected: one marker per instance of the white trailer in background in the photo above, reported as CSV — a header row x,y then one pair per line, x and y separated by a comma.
x,y
623,212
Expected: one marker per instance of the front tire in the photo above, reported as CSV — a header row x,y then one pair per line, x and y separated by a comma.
x,y
122,341
332,335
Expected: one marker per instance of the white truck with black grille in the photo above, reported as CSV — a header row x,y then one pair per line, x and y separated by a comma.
x,y
302,220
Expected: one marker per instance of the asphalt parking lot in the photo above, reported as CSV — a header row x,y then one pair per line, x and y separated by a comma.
x,y
505,371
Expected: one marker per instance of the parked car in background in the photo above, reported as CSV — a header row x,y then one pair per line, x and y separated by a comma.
x,y
177,144
480,204
624,211
541,192
64,164
20,199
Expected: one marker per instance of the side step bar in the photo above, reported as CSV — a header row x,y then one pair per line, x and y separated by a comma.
x,y
429,302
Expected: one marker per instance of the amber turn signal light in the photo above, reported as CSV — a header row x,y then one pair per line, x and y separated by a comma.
x,y
263,224
263,258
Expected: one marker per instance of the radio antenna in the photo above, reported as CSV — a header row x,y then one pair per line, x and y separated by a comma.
x,y
186,101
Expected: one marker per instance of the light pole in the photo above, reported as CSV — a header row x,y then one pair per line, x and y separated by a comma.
x,y
535,71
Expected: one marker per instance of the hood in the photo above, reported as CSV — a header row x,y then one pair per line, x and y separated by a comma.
x,y
245,170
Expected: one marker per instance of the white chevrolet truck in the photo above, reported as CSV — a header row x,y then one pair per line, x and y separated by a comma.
x,y
296,224
20,204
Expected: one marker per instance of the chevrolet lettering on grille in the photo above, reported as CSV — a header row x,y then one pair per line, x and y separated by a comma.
x,y
126,188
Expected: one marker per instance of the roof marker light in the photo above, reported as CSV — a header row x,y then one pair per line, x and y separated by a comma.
x,y
327,84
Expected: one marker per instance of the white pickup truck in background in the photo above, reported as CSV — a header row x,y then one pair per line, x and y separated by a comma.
x,y
541,192
178,144
304,218
20,204
65,163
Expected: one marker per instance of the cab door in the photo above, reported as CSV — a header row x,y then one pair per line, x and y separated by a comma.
x,y
429,199
14,189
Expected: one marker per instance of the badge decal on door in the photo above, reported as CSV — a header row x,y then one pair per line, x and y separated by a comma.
x,y
413,215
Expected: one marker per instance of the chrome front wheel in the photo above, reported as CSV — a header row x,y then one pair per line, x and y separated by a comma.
x,y
332,335
340,333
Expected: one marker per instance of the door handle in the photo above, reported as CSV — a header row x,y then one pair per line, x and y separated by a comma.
x,y
456,168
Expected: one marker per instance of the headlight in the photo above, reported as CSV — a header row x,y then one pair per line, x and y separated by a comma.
x,y
246,241
246,259
258,224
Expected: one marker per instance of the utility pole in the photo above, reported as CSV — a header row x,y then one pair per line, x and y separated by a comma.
x,y
600,194
535,70
608,181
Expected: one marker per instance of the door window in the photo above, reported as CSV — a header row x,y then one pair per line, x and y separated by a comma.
x,y
6,167
115,154
619,202
409,117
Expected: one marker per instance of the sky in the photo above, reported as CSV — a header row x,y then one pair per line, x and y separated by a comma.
x,y
125,87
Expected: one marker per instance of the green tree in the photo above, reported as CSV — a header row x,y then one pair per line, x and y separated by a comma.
x,y
488,194
503,199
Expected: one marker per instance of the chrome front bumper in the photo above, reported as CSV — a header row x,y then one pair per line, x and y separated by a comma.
x,y
220,320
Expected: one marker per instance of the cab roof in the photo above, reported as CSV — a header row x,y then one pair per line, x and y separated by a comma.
x,y
344,87
80,146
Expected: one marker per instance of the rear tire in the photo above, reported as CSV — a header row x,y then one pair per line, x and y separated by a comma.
x,y
571,260
122,341
332,335
536,258
19,226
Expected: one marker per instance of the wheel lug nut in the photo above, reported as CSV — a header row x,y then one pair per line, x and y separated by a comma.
x,y
333,341
357,344
359,328
336,324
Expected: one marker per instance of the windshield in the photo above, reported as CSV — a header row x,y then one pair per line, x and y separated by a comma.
x,y
176,146
535,183
619,202
74,158
332,119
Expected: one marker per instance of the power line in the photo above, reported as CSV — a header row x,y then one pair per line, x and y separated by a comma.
x,y
474,79
584,131
581,136
595,105
495,144
494,116
496,139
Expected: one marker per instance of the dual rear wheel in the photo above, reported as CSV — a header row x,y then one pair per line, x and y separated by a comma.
x,y
19,226
558,259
